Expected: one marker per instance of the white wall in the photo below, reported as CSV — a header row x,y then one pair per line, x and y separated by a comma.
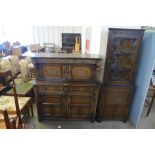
x,y
94,35
13,33
103,41
52,34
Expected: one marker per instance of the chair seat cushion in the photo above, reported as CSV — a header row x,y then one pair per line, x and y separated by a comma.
x,y
8,102
2,125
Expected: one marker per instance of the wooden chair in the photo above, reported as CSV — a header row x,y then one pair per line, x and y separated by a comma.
x,y
150,98
16,108
8,123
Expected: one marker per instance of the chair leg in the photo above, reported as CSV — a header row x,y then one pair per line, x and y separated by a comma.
x,y
6,119
28,111
148,112
31,107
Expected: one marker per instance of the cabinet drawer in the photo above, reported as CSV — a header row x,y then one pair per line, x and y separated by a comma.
x,y
83,89
50,88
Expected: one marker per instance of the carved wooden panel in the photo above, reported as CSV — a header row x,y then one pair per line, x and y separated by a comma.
x,y
122,61
52,105
122,55
52,111
115,112
115,95
78,111
51,71
125,45
115,102
82,72
67,72
80,105
121,75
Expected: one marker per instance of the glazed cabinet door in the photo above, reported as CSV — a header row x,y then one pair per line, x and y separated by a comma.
x,y
47,71
122,55
115,102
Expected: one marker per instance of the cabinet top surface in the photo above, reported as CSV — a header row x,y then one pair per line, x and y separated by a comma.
x,y
62,55
126,29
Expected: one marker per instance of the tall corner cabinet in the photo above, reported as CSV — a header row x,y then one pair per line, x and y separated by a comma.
x,y
123,51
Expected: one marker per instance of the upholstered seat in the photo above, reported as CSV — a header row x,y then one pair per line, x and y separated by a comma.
x,y
8,102
14,106
2,120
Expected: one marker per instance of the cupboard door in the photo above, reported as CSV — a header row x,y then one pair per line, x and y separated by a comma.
x,y
115,112
80,106
115,102
51,72
52,105
82,72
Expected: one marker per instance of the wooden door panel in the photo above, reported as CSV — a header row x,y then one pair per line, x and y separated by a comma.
x,y
115,102
50,110
115,111
52,105
80,111
117,95
82,72
51,71
80,99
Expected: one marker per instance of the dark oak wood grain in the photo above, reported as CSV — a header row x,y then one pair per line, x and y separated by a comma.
x,y
67,89
123,51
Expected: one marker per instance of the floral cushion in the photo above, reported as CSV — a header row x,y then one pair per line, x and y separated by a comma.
x,y
14,60
8,102
25,72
